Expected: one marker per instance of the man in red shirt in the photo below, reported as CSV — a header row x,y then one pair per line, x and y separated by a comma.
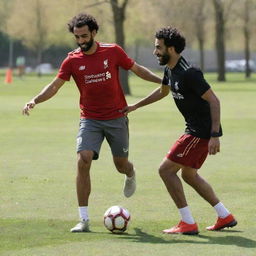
x,y
95,68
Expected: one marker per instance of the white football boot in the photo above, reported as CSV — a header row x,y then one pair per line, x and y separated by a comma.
x,y
129,185
82,226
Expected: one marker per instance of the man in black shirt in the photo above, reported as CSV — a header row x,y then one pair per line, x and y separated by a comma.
x,y
201,110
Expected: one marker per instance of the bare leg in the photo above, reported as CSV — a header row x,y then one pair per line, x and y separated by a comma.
x,y
168,172
202,187
123,165
83,181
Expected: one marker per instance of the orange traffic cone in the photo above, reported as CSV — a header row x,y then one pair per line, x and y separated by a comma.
x,y
8,76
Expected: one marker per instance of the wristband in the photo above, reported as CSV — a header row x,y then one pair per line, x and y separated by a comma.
x,y
215,134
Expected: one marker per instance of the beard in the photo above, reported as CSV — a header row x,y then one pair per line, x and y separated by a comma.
x,y
163,59
86,46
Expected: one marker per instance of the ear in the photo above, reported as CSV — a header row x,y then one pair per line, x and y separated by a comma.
x,y
171,49
94,32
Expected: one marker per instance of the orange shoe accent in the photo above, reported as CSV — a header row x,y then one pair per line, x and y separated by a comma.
x,y
8,76
183,228
221,223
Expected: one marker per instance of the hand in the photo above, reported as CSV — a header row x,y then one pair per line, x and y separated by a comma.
x,y
214,145
30,105
128,109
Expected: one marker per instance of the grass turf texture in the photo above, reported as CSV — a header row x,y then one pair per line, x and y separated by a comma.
x,y
37,176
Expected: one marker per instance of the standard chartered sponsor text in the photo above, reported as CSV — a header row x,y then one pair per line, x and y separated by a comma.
x,y
95,78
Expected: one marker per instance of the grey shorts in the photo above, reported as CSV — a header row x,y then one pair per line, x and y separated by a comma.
x,y
92,133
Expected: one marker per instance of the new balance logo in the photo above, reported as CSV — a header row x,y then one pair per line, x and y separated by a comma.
x,y
82,68
108,75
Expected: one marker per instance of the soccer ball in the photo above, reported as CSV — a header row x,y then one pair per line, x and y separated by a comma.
x,y
116,219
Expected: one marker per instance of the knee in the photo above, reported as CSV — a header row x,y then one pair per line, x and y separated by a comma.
x,y
163,171
84,160
168,169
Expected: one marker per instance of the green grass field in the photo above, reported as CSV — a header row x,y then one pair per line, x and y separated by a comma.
x,y
38,169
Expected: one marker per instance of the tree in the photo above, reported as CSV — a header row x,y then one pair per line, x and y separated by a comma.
x,y
247,27
222,10
131,23
33,29
198,12
200,18
5,10
220,38
119,18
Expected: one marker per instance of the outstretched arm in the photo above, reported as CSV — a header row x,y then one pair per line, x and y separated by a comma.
x,y
49,91
145,73
156,95
211,98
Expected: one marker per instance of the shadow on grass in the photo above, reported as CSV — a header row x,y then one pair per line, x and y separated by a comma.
x,y
17,234
143,237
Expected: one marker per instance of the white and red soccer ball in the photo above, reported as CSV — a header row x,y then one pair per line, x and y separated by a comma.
x,y
116,219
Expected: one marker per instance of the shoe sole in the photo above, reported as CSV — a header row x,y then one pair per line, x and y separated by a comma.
x,y
228,225
126,194
80,231
194,232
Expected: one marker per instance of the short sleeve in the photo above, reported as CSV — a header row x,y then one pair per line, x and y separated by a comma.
x,y
124,60
65,70
197,82
165,79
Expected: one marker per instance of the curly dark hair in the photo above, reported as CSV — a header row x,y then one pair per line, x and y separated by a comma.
x,y
81,20
172,37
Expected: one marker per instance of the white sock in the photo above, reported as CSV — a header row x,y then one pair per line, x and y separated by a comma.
x,y
130,178
221,210
83,212
186,215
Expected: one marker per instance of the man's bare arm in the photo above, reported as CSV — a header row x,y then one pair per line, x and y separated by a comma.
x,y
48,92
211,98
156,95
145,73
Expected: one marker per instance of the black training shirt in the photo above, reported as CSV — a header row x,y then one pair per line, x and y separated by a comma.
x,y
187,85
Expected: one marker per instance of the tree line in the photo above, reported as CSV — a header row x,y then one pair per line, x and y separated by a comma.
x,y
219,24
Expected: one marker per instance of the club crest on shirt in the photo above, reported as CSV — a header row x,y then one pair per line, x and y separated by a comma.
x,y
105,62
176,85
108,75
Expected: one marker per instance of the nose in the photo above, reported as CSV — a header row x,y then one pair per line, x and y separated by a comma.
x,y
80,40
154,52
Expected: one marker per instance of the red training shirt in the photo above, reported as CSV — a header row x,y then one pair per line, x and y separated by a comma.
x,y
97,78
